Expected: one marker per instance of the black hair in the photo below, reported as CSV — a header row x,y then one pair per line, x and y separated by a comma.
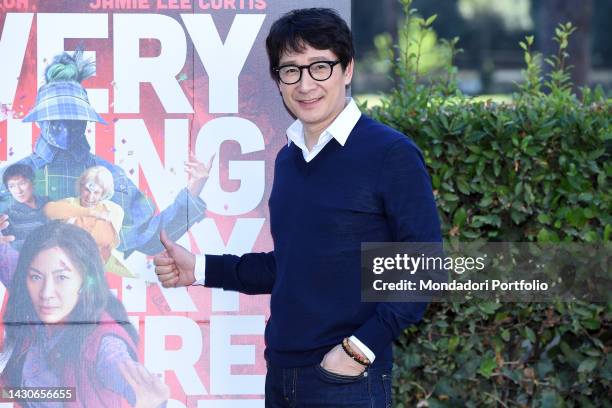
x,y
16,170
321,28
21,323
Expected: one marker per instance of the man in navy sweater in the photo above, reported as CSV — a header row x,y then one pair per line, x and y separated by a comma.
x,y
342,179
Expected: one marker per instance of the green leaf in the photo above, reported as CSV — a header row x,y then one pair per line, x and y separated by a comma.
x,y
487,366
472,158
437,149
489,307
544,218
486,201
550,399
517,217
463,186
502,316
505,334
470,234
587,365
431,19
592,352
460,217
435,181
590,236
544,367
546,235
518,189
444,120
530,334
453,343
575,217
591,324
411,360
496,168
529,197
480,220
450,197
583,311
572,356
595,154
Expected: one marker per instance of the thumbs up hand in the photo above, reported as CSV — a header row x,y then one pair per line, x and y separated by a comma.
x,y
175,266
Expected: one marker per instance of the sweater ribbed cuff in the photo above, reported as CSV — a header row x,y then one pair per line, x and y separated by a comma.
x,y
214,271
375,334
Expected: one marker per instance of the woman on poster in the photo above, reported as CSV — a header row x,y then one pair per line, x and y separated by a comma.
x,y
64,328
92,210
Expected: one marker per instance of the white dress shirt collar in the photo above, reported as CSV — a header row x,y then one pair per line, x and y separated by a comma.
x,y
339,129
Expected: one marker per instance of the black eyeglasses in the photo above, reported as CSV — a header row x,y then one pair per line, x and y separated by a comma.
x,y
319,71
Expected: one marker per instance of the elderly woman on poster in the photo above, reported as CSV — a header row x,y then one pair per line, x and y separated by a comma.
x,y
92,210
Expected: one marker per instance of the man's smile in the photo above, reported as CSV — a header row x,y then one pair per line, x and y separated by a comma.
x,y
309,102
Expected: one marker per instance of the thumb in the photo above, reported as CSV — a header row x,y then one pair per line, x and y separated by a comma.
x,y
166,241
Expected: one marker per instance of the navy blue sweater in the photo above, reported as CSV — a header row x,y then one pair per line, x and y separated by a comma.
x,y
375,188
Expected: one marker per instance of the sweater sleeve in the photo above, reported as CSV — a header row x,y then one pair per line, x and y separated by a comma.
x,y
411,213
252,273
64,209
116,218
112,351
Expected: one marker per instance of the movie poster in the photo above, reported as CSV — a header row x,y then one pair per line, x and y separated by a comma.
x,y
175,82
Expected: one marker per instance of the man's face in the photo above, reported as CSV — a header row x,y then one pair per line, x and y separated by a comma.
x,y
315,103
90,194
21,189
63,133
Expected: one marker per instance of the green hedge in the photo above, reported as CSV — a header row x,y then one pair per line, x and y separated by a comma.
x,y
535,169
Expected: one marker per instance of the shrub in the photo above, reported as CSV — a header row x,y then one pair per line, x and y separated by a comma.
x,y
534,169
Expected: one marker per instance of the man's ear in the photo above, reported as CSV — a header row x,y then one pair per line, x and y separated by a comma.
x,y
348,72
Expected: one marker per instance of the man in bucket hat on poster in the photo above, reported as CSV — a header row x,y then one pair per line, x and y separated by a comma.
x,y
62,153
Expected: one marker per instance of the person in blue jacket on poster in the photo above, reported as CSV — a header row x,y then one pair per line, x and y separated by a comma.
x,y
26,213
342,179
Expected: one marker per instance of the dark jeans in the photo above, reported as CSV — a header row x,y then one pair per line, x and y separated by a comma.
x,y
314,387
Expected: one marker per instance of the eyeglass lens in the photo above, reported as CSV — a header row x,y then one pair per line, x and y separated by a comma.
x,y
319,71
